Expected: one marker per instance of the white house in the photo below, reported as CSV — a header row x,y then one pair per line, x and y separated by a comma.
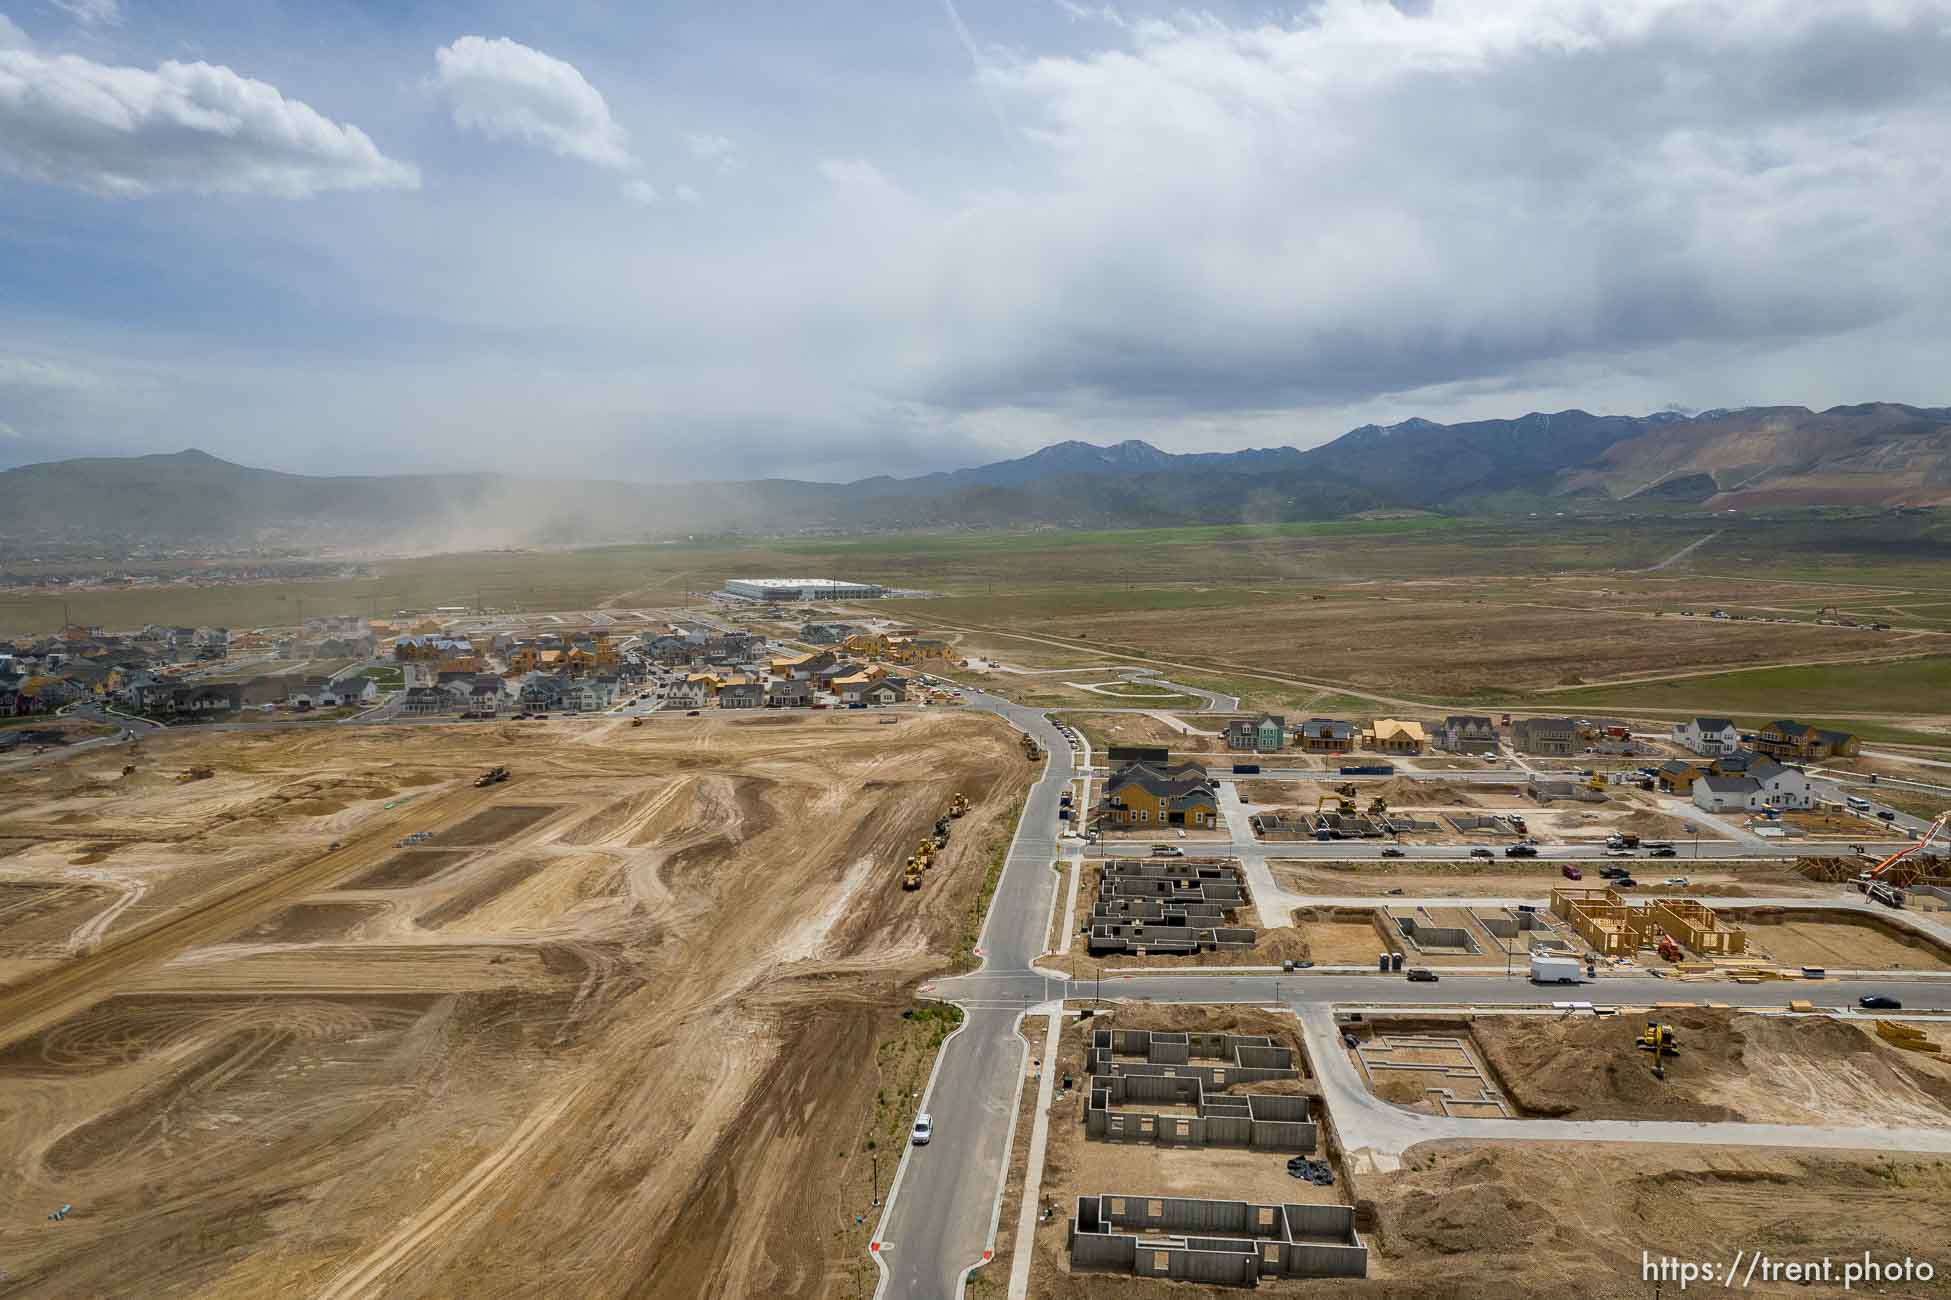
x,y
347,691
1781,787
1727,794
682,693
1711,736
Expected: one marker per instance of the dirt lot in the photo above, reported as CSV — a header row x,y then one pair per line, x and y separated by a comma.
x,y
296,1071
1760,1069
1842,940
1539,1221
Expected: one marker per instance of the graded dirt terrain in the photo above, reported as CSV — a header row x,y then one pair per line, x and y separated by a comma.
x,y
599,1038
1759,1069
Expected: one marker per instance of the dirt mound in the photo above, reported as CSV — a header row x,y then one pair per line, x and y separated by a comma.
x,y
1592,1069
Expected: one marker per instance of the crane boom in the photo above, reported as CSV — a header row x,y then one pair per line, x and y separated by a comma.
x,y
1930,833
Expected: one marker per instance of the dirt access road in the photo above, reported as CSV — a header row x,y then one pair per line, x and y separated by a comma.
x,y
606,1034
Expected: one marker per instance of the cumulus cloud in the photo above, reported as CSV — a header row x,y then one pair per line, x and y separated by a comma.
x,y
92,13
11,37
508,91
640,192
1364,201
68,120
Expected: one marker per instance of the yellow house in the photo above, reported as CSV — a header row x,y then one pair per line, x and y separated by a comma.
x,y
865,643
1141,795
713,683
784,664
1396,736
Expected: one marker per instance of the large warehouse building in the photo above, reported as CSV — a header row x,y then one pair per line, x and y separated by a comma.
x,y
802,589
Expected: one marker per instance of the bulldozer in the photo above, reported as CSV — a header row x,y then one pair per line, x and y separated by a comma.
x,y
911,875
1659,1039
194,774
941,833
958,805
636,722
128,769
493,776
1378,807
925,853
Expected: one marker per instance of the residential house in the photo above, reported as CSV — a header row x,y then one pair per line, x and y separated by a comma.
x,y
833,673
1466,733
1396,736
826,633
810,667
741,695
1737,763
425,702
792,694
885,691
1727,794
1550,737
1265,734
484,695
347,692
1782,787
1710,736
1677,775
1326,736
1138,795
685,693
179,700
1798,742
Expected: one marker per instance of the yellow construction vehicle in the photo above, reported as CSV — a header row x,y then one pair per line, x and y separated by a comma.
x,y
636,722
925,853
195,774
1659,1039
1342,804
958,806
1378,807
911,875
1597,783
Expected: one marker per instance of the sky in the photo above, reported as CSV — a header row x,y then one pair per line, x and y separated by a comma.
x,y
693,240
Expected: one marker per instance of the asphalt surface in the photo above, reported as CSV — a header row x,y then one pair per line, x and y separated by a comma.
x,y
946,1195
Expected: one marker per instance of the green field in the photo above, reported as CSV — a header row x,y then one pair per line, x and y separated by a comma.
x,y
1908,686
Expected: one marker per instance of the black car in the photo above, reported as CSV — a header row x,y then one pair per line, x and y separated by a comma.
x,y
1481,853
1393,852
1520,851
1878,1002
1887,815
1420,975
1666,851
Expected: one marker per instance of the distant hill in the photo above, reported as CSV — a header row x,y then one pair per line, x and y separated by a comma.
x,y
1877,454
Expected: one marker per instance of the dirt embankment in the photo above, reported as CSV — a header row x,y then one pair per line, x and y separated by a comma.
x,y
633,1007
1537,1221
1736,1067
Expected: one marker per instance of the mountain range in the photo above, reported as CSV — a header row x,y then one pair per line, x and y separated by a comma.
x,y
1873,454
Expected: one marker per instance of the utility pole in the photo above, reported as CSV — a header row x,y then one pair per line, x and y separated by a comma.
x,y
875,1158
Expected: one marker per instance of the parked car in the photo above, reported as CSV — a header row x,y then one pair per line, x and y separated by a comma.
x,y
1420,975
1887,815
1520,851
1879,1002
1571,872
1481,853
1625,882
691,713
1393,852
924,1130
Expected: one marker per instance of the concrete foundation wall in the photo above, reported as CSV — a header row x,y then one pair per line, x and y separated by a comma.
x,y
1216,1242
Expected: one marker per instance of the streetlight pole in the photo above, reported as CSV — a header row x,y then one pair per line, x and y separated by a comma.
x,y
875,1158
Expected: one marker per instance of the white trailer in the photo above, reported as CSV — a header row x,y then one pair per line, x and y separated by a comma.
x,y
1556,970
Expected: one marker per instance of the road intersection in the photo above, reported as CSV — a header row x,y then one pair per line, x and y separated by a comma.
x,y
944,1205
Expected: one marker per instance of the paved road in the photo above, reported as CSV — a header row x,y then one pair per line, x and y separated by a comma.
x,y
1365,850
946,1196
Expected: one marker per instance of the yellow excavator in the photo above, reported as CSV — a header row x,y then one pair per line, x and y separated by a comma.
x,y
958,805
1659,1039
1342,804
